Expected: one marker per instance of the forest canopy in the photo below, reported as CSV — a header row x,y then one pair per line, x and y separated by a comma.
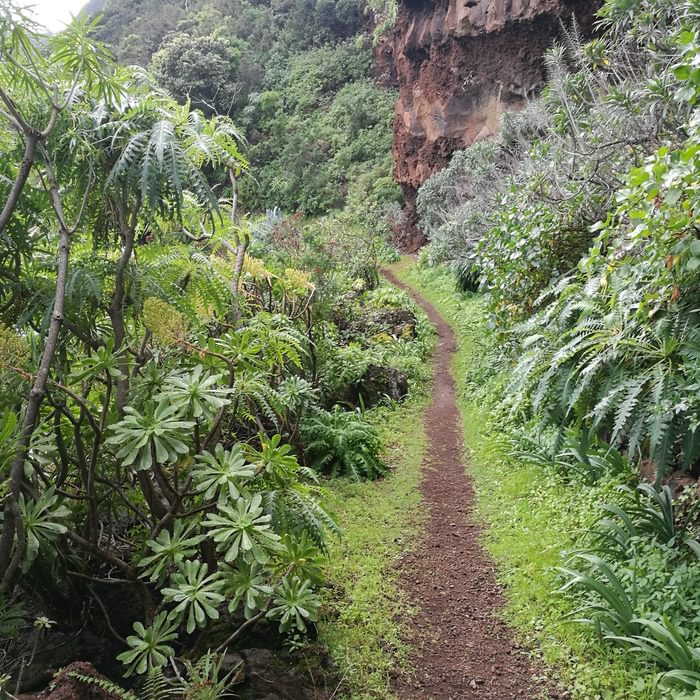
x,y
297,77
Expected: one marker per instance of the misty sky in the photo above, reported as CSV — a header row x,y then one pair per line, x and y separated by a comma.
x,y
54,14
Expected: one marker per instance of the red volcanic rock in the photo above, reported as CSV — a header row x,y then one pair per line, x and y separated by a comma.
x,y
459,64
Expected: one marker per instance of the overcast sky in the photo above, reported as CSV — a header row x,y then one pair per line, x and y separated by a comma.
x,y
54,14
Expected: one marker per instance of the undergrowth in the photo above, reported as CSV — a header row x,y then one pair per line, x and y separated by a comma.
x,y
364,607
534,518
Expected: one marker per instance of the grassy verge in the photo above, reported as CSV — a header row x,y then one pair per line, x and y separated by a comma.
x,y
533,517
379,521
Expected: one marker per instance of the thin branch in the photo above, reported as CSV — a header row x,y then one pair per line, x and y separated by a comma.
x,y
114,632
12,526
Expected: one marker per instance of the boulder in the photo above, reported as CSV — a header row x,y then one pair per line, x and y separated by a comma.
x,y
379,383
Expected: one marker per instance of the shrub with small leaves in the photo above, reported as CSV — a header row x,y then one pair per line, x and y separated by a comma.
x,y
170,550
154,436
197,394
223,473
43,524
248,584
242,528
165,322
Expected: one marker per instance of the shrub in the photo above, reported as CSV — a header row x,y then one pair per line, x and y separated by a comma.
x,y
636,583
342,443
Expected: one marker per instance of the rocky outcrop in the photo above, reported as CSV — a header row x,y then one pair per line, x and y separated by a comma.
x,y
66,685
459,64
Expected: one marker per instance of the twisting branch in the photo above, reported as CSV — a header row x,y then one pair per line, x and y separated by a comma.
x,y
32,138
108,622
25,167
12,518
242,243
127,226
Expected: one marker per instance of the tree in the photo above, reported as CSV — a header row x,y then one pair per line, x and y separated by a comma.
x,y
202,69
42,88
131,158
130,362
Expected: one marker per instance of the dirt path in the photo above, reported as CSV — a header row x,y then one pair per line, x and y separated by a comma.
x,y
460,649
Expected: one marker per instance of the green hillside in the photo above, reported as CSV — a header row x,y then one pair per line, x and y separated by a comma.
x,y
297,78
248,450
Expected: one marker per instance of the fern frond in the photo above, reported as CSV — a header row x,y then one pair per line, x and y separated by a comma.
x,y
627,407
103,684
157,687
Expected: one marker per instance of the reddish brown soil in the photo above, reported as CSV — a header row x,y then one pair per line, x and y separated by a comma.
x,y
461,647
64,687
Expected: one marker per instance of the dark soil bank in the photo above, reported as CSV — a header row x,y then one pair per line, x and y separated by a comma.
x,y
461,649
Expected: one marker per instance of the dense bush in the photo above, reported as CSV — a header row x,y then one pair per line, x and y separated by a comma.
x,y
340,442
589,255
636,582
159,373
618,347
200,68
456,205
560,163
322,128
268,28
601,261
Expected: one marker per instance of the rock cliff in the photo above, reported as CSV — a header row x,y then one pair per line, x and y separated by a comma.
x,y
459,64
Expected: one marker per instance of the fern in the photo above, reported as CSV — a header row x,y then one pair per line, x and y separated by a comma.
x,y
626,408
103,684
157,687
588,361
298,510
342,443
255,398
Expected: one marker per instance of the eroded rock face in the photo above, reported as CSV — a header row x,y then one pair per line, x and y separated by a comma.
x,y
459,64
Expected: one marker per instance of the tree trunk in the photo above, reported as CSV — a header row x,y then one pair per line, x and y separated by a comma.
x,y
12,525
115,310
241,248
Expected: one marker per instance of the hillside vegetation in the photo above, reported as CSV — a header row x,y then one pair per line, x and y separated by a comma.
x,y
296,77
180,378
203,375
580,225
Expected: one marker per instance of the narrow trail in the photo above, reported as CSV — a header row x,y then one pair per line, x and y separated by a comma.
x,y
461,649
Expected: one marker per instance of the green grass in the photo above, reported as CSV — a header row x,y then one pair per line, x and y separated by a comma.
x,y
364,609
532,517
